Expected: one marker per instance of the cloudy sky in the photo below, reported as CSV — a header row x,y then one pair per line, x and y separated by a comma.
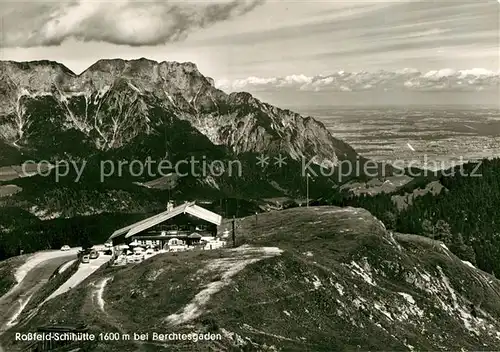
x,y
328,51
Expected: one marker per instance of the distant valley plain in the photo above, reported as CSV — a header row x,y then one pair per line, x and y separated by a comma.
x,y
445,136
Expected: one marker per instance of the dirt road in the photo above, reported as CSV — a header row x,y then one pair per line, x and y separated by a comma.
x,y
12,303
83,272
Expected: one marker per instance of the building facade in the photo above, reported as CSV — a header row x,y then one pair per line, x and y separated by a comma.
x,y
186,223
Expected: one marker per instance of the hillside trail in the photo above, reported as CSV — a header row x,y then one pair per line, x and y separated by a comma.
x,y
98,303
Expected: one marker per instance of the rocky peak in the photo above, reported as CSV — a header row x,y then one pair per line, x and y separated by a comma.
x,y
211,81
241,98
113,101
35,65
107,65
141,68
33,76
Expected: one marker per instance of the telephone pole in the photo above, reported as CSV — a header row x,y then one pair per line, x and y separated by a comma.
x,y
234,233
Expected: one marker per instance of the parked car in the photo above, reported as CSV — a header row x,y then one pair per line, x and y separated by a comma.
x,y
86,258
65,248
85,251
94,254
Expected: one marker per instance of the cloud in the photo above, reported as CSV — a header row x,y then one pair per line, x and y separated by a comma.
x,y
134,23
475,79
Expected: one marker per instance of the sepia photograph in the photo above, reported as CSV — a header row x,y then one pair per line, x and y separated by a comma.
x,y
249,175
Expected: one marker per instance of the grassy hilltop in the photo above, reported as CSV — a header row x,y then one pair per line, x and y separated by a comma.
x,y
303,279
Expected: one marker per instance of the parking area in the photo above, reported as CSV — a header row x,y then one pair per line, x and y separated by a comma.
x,y
135,253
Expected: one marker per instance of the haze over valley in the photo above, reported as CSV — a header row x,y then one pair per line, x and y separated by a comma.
x,y
443,135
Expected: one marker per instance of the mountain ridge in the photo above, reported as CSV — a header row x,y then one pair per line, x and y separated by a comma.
x,y
121,88
135,110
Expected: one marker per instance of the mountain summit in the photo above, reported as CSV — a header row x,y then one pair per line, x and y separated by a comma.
x,y
115,102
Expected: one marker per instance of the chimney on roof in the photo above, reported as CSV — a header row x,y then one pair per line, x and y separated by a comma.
x,y
170,206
